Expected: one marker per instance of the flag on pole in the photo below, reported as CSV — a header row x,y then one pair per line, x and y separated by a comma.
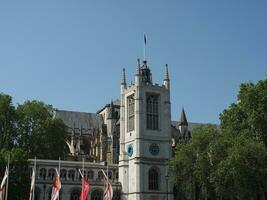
x,y
56,186
3,184
108,193
145,38
32,183
85,189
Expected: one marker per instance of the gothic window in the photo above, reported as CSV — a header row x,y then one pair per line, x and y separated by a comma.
x,y
100,175
130,103
71,175
152,111
75,194
37,193
42,173
90,174
153,179
51,173
96,195
109,175
63,174
116,195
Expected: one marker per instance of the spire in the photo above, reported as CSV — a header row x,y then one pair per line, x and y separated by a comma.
x,y
166,81
183,120
123,78
166,74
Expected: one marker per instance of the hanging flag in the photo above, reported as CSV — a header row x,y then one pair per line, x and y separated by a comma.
x,y
108,193
145,38
3,184
32,183
86,188
56,186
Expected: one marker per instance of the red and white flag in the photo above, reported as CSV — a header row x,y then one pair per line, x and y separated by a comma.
x,y
32,183
3,184
108,193
85,190
56,186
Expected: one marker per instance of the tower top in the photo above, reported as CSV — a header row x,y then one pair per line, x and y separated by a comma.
x,y
166,74
123,78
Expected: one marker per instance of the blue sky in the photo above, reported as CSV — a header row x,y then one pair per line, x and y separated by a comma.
x,y
70,53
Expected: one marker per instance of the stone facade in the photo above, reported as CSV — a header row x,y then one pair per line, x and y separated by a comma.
x,y
134,136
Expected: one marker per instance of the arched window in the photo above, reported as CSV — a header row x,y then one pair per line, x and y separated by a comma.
x,y
90,174
96,195
100,175
71,175
130,113
37,193
116,195
42,173
153,179
109,175
152,112
75,194
63,174
51,173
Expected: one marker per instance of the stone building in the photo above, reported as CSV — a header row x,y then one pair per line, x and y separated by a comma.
x,y
133,136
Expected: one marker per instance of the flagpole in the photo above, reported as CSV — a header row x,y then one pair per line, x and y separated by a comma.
x,y
83,181
58,175
7,176
34,178
144,46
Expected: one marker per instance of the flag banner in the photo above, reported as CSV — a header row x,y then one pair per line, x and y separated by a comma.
x,y
32,183
3,184
56,186
108,193
2,193
85,190
145,38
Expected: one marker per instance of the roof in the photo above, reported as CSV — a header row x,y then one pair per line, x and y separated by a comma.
x,y
116,104
183,120
191,125
80,119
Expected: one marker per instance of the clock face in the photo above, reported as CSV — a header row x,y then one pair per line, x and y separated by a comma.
x,y
130,150
154,149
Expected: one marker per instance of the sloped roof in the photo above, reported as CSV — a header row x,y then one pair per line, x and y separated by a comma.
x,y
80,119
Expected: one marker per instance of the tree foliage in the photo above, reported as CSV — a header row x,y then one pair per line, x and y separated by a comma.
x,y
27,131
229,162
249,114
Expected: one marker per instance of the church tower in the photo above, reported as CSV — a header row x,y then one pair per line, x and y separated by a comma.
x,y
145,136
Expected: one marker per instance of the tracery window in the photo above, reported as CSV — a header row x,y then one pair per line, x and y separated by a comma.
x,y
51,174
152,111
96,195
63,174
130,103
100,175
75,194
116,195
71,175
153,179
42,173
90,174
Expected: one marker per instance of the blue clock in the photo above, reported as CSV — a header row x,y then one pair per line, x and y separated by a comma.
x,y
130,150
154,149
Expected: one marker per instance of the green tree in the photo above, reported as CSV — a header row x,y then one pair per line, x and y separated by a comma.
x,y
40,134
239,167
19,177
249,114
7,122
191,165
